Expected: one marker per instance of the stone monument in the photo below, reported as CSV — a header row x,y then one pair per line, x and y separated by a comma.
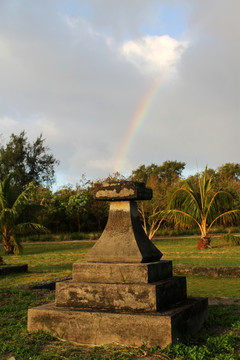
x,y
123,293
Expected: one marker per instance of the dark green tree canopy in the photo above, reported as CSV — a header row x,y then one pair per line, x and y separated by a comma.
x,y
30,161
168,171
230,171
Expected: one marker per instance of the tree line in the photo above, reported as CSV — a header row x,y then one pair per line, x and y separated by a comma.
x,y
27,172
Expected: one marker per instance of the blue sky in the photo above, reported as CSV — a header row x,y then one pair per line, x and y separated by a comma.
x,y
173,21
77,71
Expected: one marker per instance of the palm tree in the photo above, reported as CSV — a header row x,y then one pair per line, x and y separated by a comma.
x,y
202,205
13,210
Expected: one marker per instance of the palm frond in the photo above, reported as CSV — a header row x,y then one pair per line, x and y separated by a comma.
x,y
213,207
7,217
17,247
29,228
22,199
4,190
185,199
227,217
181,217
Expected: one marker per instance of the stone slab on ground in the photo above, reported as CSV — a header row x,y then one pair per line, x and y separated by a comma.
x,y
208,271
121,273
121,297
12,269
99,328
223,301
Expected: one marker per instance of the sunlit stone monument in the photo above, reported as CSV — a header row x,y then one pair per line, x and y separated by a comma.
x,y
123,293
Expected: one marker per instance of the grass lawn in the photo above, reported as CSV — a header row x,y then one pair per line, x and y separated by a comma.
x,y
184,251
218,340
51,260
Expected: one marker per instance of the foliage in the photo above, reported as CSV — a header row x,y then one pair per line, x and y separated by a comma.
x,y
77,205
202,205
151,211
61,237
13,215
168,171
71,209
230,171
29,161
231,239
161,179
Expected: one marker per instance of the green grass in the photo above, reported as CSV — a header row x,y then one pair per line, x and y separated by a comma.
x,y
213,287
218,340
184,251
52,260
45,261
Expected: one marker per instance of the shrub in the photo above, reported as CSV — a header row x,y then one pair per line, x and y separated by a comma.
x,y
231,240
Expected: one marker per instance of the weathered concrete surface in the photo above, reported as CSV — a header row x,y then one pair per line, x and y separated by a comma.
x,y
113,273
123,240
123,294
121,297
123,190
99,328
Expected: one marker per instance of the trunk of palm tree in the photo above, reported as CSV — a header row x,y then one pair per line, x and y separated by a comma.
x,y
6,237
205,240
204,243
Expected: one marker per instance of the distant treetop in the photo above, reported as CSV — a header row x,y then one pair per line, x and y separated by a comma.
x,y
30,161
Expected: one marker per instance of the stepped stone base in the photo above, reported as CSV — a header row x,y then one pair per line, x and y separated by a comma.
x,y
125,297
100,327
123,293
122,273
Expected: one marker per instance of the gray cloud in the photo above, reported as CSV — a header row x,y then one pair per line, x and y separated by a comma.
x,y
62,73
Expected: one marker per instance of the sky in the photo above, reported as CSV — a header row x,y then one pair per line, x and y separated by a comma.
x,y
114,84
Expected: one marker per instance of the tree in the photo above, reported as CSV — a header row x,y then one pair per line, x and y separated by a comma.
x,y
228,178
77,206
202,205
229,171
13,214
151,210
169,171
161,179
29,161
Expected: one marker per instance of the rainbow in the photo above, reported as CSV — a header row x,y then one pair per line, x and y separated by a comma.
x,y
135,124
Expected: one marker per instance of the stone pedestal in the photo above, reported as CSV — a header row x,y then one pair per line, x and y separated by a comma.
x,y
123,293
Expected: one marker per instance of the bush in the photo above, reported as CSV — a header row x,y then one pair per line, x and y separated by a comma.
x,y
61,237
231,240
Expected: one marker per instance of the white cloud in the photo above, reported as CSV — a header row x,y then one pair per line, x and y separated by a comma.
x,y
154,53
7,123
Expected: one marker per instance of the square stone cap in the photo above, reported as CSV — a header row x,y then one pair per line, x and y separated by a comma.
x,y
123,190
